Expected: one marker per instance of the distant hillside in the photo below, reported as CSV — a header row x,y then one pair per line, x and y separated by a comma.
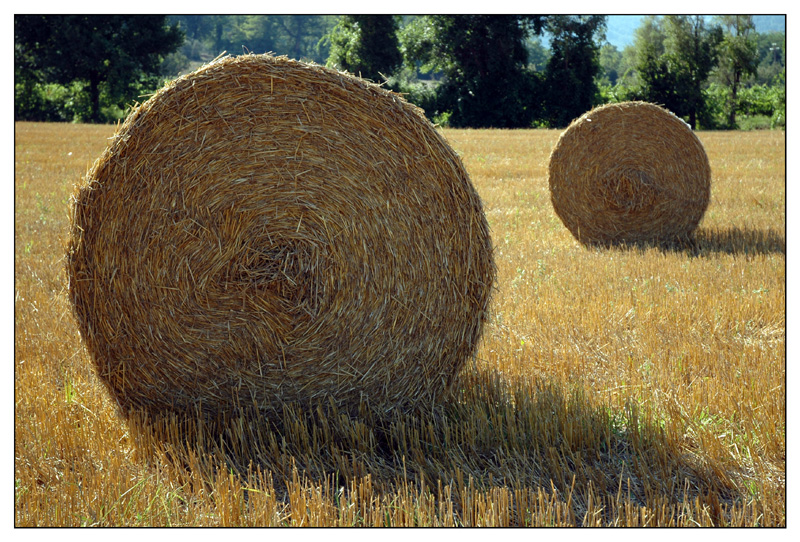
x,y
621,28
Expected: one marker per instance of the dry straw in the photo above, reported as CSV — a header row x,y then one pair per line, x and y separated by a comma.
x,y
265,231
627,173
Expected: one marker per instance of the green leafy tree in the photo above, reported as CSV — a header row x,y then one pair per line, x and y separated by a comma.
x,y
297,36
366,45
610,59
738,59
258,34
195,26
656,81
417,40
483,60
573,66
771,57
674,70
116,52
538,54
651,32
617,78
692,53
301,36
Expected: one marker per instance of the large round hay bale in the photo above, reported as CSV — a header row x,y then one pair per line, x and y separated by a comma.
x,y
629,172
264,231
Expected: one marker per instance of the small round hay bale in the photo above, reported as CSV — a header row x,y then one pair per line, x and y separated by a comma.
x,y
629,172
264,231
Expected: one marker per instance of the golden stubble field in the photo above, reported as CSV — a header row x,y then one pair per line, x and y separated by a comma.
x,y
624,386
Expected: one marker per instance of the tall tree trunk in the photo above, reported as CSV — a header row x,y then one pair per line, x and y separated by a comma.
x,y
298,38
218,38
94,94
734,101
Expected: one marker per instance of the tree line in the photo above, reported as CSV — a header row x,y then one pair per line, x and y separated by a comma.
x,y
502,71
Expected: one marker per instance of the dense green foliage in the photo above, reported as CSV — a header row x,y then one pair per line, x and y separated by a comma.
x,y
738,58
483,61
676,56
706,73
500,71
571,73
115,55
366,45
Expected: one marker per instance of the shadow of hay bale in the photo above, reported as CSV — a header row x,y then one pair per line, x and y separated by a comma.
x,y
264,231
627,173
673,244
733,240
488,434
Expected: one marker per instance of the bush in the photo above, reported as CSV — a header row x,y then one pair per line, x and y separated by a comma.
x,y
759,107
616,93
767,103
754,122
50,102
442,119
758,100
38,101
778,120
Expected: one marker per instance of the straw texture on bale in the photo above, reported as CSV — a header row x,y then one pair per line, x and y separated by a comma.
x,y
264,231
629,172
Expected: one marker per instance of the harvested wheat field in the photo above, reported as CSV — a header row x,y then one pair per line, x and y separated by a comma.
x,y
618,386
